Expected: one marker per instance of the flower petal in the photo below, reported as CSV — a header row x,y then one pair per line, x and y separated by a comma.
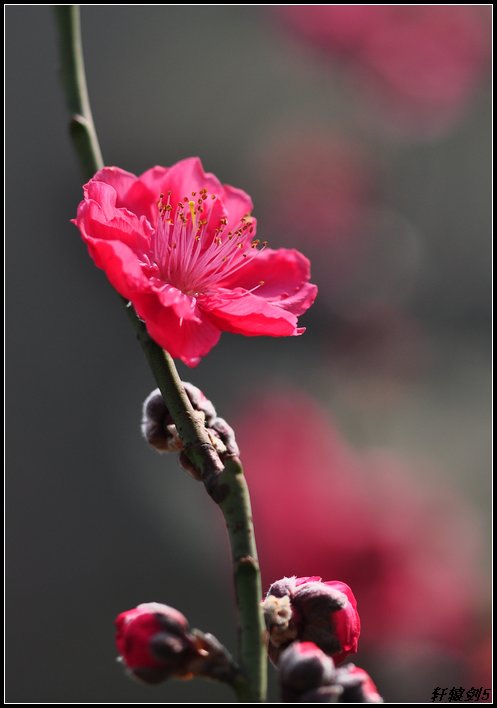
x,y
241,312
117,178
98,217
143,195
347,627
121,266
308,579
183,305
188,340
188,175
285,274
237,204
343,588
182,179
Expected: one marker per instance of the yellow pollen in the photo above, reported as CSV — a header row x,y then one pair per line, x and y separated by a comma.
x,y
192,212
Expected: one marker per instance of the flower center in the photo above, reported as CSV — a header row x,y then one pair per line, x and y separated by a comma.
x,y
192,246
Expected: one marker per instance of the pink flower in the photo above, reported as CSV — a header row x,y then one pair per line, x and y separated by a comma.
x,y
311,610
337,182
180,247
420,65
154,642
406,544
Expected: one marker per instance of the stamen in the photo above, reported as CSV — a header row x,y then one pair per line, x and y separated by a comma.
x,y
191,253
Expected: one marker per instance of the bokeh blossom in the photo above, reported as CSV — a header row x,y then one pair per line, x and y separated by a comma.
x,y
418,65
318,184
181,247
324,190
311,610
409,547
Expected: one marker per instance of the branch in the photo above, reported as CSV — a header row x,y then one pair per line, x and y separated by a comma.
x,y
225,483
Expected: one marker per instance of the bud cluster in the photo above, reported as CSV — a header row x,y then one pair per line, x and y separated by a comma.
x,y
312,626
308,675
310,610
159,430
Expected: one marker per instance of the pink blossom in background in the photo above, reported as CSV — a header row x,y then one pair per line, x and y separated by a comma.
x,y
408,546
376,355
322,190
419,65
318,189
181,247
317,183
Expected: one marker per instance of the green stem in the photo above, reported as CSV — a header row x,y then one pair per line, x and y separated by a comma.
x,y
197,443
235,505
73,76
224,482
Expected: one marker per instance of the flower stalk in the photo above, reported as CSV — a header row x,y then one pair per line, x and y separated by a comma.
x,y
225,483
73,77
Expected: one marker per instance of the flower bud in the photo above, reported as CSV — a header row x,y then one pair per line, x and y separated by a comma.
x,y
189,467
357,685
311,610
154,642
200,402
220,428
308,675
159,430
303,667
157,424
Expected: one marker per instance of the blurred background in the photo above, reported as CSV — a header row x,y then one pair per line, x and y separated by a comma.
x,y
363,135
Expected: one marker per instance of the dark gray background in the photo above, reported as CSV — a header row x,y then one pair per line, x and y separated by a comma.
x,y
96,523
